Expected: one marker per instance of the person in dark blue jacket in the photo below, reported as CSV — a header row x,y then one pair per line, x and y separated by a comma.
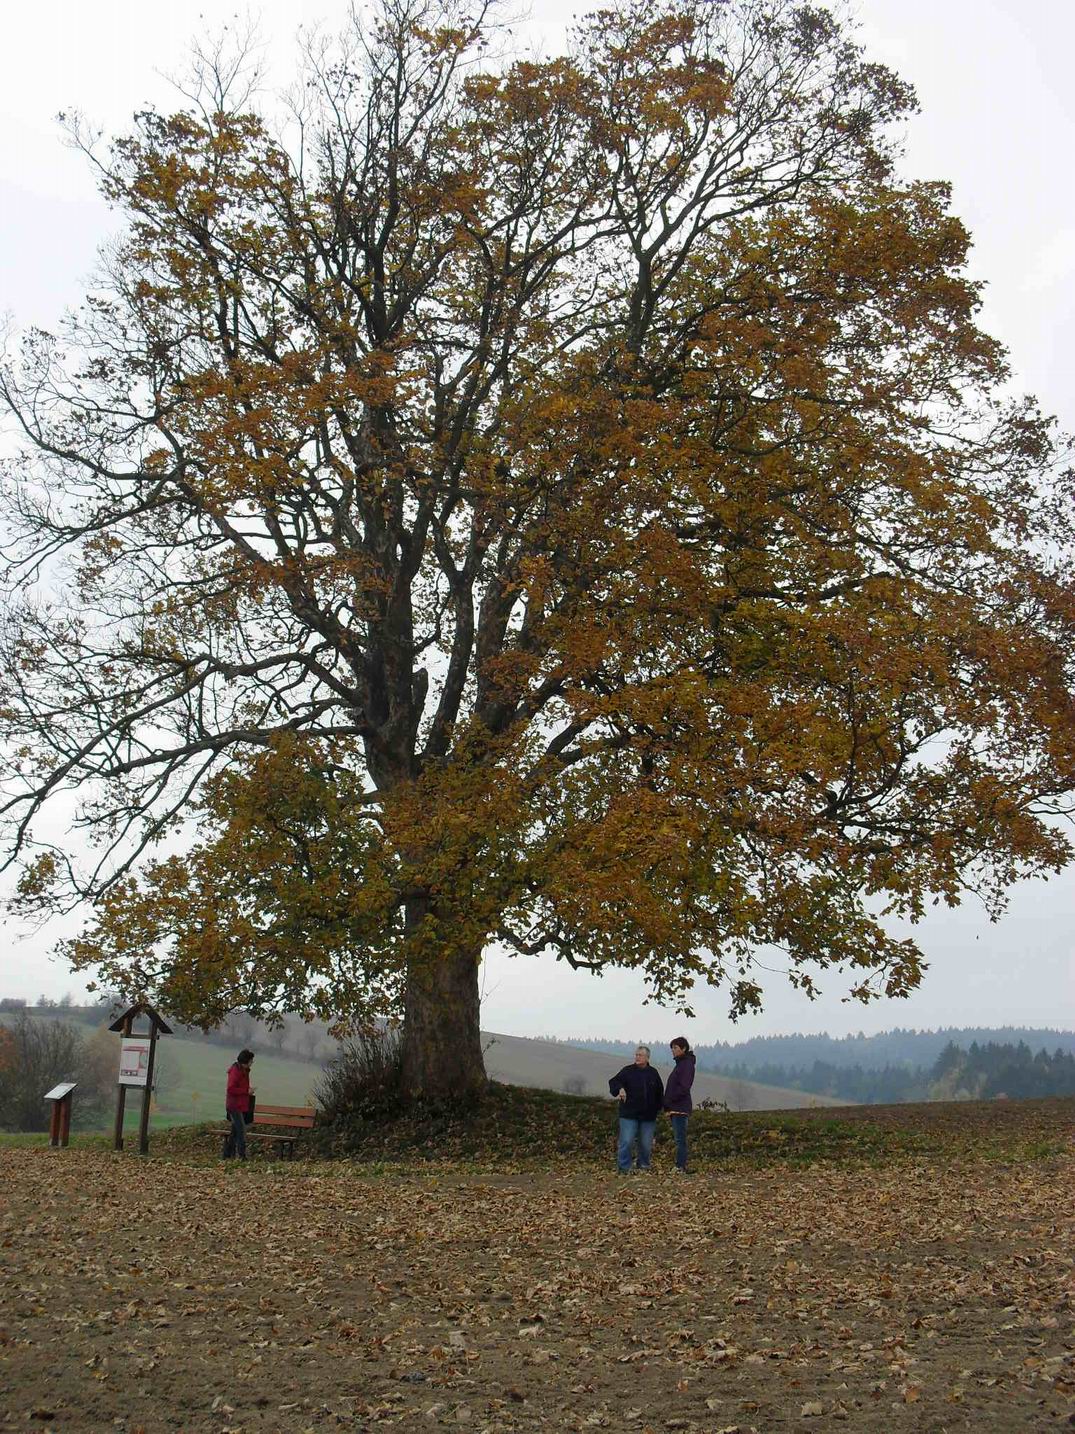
x,y
640,1092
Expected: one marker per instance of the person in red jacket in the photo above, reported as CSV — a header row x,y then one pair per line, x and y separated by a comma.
x,y
237,1104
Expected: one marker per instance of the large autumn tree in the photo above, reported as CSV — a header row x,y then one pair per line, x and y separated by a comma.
x,y
560,502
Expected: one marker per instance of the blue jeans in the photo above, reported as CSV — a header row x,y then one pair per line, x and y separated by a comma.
x,y
630,1131
679,1130
235,1143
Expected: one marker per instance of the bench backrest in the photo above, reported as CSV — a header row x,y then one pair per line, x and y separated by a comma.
x,y
300,1116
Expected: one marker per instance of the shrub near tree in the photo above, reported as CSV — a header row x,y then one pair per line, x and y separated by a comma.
x,y
363,1082
562,502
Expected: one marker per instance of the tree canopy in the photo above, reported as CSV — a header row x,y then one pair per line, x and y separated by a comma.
x,y
565,502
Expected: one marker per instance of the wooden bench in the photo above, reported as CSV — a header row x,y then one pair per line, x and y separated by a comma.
x,y
288,1122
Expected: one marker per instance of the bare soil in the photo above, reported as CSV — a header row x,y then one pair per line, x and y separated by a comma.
x,y
917,1294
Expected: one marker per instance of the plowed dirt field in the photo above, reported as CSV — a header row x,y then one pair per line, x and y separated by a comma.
x,y
915,1294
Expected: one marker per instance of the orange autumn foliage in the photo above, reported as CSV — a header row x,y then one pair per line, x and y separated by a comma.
x,y
567,503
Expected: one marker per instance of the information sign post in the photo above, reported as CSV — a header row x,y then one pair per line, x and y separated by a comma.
x,y
137,1054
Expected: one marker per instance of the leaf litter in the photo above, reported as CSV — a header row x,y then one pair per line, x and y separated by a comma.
x,y
924,1293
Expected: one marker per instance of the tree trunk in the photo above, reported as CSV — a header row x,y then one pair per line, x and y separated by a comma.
x,y
442,1053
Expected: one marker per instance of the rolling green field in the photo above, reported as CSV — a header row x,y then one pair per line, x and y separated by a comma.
x,y
195,1074
193,1079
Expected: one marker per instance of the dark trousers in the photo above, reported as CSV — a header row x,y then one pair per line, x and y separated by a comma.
x,y
679,1130
235,1141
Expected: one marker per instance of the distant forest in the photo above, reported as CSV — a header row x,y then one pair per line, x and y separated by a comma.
x,y
894,1066
293,1037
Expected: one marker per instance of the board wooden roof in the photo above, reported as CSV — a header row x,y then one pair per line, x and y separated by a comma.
x,y
142,1009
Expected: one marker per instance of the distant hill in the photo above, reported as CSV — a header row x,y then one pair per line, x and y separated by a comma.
x,y
896,1066
763,1073
911,1048
295,1039
193,1069
555,1065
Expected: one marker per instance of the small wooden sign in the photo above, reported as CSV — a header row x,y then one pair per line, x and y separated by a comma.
x,y
60,1120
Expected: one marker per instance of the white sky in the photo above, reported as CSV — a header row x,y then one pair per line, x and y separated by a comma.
x,y
997,120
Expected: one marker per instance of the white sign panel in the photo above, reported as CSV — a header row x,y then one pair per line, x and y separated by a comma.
x,y
133,1061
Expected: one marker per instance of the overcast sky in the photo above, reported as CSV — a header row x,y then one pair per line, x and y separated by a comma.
x,y
993,77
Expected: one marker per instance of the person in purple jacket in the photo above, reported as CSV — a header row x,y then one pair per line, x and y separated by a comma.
x,y
677,1097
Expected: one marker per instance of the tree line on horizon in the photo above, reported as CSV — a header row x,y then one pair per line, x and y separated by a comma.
x,y
292,1037
982,1072
969,1063
898,1046
895,1066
